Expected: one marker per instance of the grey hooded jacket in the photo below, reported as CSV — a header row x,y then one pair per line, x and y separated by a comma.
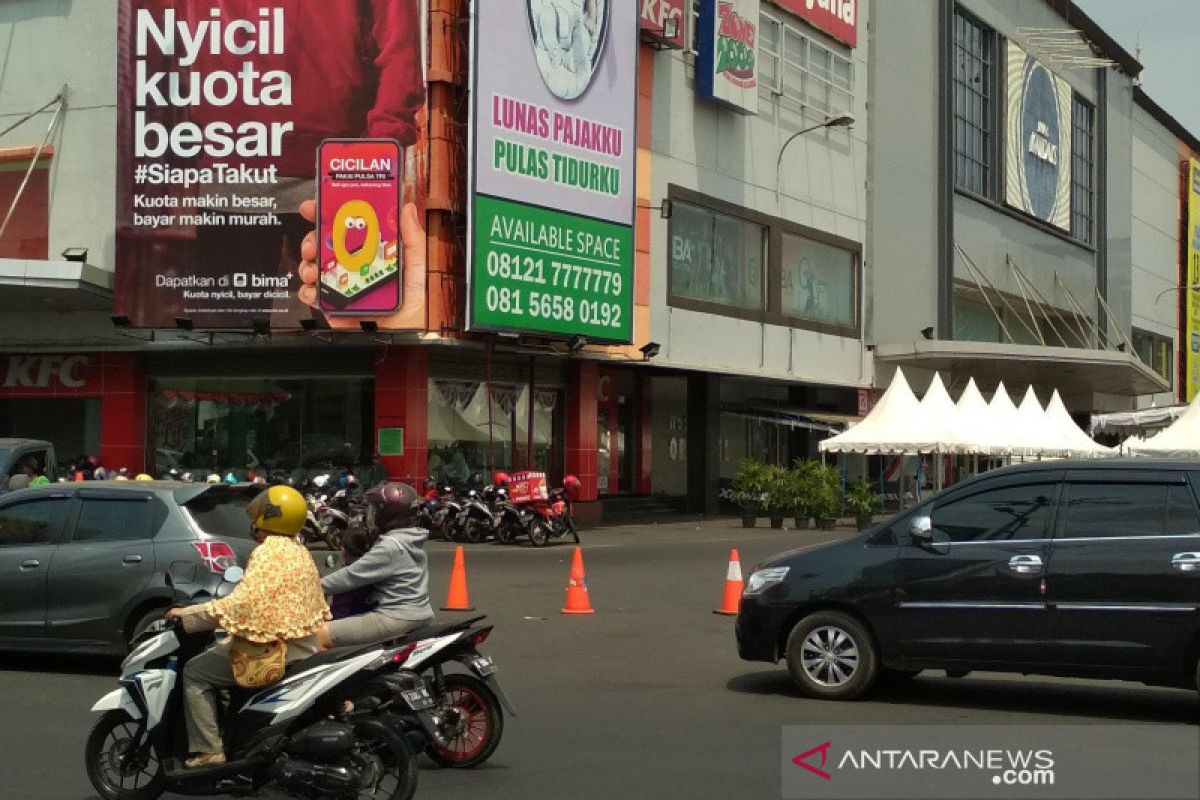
x,y
397,570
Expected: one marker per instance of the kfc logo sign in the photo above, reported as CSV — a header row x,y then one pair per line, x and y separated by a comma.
x,y
838,18
663,21
31,372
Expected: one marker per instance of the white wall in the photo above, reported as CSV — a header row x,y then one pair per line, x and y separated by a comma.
x,y
724,155
45,44
1155,235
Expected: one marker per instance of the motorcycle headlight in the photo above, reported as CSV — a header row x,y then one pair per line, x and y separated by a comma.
x,y
763,579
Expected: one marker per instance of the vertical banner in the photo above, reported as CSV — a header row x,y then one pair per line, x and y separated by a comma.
x,y
727,43
554,127
1037,140
1192,267
222,108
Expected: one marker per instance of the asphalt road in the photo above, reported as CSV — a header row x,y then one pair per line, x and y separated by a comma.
x,y
645,699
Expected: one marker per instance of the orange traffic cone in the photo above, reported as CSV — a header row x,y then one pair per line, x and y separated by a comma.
x,y
578,601
457,598
733,586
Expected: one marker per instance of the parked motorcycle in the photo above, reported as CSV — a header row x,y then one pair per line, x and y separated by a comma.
x,y
295,737
476,520
551,519
441,507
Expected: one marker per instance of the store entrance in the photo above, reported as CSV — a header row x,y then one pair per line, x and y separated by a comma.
x,y
617,429
72,425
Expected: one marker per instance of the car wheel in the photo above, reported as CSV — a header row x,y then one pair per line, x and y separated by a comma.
x,y
832,656
138,626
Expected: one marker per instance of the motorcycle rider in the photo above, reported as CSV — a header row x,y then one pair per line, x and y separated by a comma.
x,y
278,598
395,566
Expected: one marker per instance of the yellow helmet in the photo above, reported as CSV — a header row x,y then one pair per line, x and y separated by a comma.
x,y
280,509
143,477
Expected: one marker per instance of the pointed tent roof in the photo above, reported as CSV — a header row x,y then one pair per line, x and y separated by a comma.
x,y
1180,440
940,408
1035,431
1080,443
1006,420
987,438
897,425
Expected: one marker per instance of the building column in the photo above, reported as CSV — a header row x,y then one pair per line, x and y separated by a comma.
x,y
703,442
581,420
643,438
122,412
402,401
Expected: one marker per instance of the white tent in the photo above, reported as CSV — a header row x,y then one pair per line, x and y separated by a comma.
x,y
1007,421
1080,444
1180,440
974,415
1035,433
898,425
939,407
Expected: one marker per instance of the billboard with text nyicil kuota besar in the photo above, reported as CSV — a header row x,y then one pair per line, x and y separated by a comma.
x,y
223,109
553,167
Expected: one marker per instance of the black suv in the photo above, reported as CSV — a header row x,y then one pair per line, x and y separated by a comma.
x,y
1074,568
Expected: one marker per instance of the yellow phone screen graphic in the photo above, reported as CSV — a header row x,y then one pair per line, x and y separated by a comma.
x,y
355,235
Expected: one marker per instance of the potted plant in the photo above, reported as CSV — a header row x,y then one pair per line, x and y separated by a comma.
x,y
779,499
826,499
801,479
863,501
749,489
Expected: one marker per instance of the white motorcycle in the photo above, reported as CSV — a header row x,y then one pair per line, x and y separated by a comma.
x,y
298,736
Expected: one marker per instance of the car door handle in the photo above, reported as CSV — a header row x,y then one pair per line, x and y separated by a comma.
x,y
133,559
1025,564
1186,562
32,563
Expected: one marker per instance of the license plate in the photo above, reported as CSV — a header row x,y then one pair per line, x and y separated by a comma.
x,y
417,699
484,665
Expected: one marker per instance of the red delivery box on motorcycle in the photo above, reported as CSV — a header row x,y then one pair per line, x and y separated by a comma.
x,y
527,487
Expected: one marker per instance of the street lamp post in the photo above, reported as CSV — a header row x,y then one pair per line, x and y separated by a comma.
x,y
840,121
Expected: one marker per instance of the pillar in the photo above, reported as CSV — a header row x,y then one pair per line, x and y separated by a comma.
x,y
703,443
580,419
122,412
402,401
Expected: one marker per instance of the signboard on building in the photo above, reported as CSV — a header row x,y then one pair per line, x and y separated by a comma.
x,y
1037,140
1192,330
554,150
222,105
838,18
727,46
45,374
663,21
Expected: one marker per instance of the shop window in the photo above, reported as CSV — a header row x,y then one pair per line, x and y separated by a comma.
x,y
797,67
290,427
974,322
27,235
973,52
818,281
716,260
1083,190
465,443
1156,352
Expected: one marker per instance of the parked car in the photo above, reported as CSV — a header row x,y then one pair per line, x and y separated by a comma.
x,y
14,451
84,566
1070,568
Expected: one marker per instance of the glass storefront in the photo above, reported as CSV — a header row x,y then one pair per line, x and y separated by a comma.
x,y
204,425
72,425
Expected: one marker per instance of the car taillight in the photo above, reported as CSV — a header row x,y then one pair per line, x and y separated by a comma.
x,y
217,556
481,636
401,655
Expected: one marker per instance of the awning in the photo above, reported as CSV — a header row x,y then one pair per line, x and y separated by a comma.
x,y
1072,371
29,285
1154,418
792,418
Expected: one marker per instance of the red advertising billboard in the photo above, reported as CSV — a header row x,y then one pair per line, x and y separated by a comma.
x,y
222,108
663,21
838,18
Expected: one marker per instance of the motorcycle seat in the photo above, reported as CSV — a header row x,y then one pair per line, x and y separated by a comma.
x,y
327,657
433,631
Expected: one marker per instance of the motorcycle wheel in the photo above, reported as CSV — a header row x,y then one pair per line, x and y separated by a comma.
x,y
104,755
504,533
474,722
539,533
452,531
384,760
474,531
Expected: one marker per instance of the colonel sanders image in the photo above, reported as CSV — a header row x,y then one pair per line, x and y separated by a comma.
x,y
568,38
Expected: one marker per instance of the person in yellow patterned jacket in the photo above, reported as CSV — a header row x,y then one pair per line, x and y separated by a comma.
x,y
278,598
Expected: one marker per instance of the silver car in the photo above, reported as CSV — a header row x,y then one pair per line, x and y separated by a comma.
x,y
85,567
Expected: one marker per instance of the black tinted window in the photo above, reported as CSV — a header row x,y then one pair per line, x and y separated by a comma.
x,y
1181,512
105,520
32,522
1013,512
222,512
1125,509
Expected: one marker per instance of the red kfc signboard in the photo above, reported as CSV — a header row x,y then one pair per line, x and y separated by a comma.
x,y
46,375
838,18
662,20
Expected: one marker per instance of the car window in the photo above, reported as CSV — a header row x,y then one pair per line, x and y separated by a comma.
x,y
1127,509
113,519
31,522
25,468
1181,512
1009,512
222,513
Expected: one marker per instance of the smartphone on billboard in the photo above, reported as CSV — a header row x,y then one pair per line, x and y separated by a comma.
x,y
358,225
